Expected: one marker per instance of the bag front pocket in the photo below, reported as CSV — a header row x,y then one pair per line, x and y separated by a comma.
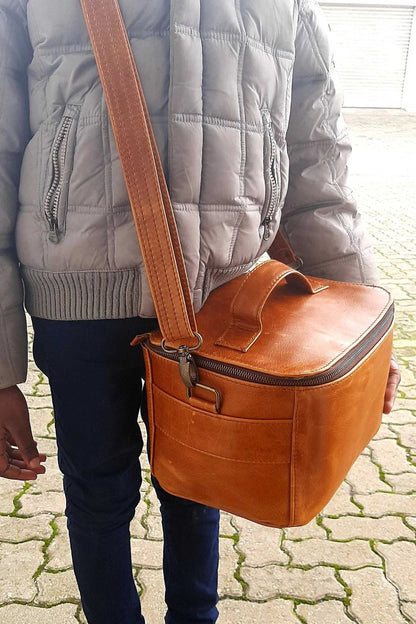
x,y
240,465
60,164
272,176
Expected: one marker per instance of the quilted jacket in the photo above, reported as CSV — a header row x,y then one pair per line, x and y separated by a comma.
x,y
246,113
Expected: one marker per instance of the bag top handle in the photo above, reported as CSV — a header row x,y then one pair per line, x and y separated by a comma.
x,y
143,173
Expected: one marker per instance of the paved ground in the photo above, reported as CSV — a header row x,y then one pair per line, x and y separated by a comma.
x,y
356,562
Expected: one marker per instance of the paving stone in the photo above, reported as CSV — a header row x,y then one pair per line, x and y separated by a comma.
x,y
411,522
390,456
43,502
22,529
33,377
381,504
384,432
226,528
35,402
227,583
136,527
312,529
404,483
274,581
144,461
364,477
18,564
409,609
399,417
407,434
58,551
259,544
388,528
374,600
57,587
154,502
351,555
406,403
155,531
340,503
21,614
400,560
146,553
329,612
39,421
144,486
408,377
47,446
272,612
152,599
42,390
9,489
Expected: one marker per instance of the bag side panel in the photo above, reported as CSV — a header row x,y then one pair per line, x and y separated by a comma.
x,y
333,425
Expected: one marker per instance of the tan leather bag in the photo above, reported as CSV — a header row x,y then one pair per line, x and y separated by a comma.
x,y
260,404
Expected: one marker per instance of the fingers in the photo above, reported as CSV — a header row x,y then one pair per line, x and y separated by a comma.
x,y
392,386
22,438
18,473
19,457
14,453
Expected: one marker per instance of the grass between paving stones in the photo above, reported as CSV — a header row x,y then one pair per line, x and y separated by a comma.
x,y
306,602
16,501
146,500
46,557
358,505
140,587
381,473
320,522
241,559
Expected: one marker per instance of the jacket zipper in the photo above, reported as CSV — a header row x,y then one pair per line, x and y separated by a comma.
x,y
345,365
273,177
51,203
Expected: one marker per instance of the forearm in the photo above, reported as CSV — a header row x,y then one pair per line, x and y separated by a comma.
x,y
15,55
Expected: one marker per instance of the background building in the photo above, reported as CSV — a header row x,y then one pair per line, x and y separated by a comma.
x,y
375,51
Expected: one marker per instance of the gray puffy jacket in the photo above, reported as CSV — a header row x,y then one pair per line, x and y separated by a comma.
x,y
246,114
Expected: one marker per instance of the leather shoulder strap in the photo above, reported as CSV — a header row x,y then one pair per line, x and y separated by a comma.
x,y
143,173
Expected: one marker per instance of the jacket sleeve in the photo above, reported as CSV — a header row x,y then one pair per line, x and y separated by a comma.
x,y
320,217
15,55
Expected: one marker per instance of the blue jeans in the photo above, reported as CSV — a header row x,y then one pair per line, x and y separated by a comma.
x,y
96,384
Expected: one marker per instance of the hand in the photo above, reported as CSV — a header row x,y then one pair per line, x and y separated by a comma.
x,y
19,457
392,385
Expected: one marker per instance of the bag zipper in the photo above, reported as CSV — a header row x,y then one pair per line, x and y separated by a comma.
x,y
51,203
345,365
273,177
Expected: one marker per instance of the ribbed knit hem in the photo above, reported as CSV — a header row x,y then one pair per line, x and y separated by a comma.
x,y
85,295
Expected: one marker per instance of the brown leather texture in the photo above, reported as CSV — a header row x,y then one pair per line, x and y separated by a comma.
x,y
274,454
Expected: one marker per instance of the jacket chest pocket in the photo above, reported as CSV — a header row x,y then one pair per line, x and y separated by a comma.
x,y
59,169
272,176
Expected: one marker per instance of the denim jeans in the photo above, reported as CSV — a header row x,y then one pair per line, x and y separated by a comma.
x,y
96,384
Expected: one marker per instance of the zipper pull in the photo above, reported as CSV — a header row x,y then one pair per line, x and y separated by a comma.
x,y
187,368
266,232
